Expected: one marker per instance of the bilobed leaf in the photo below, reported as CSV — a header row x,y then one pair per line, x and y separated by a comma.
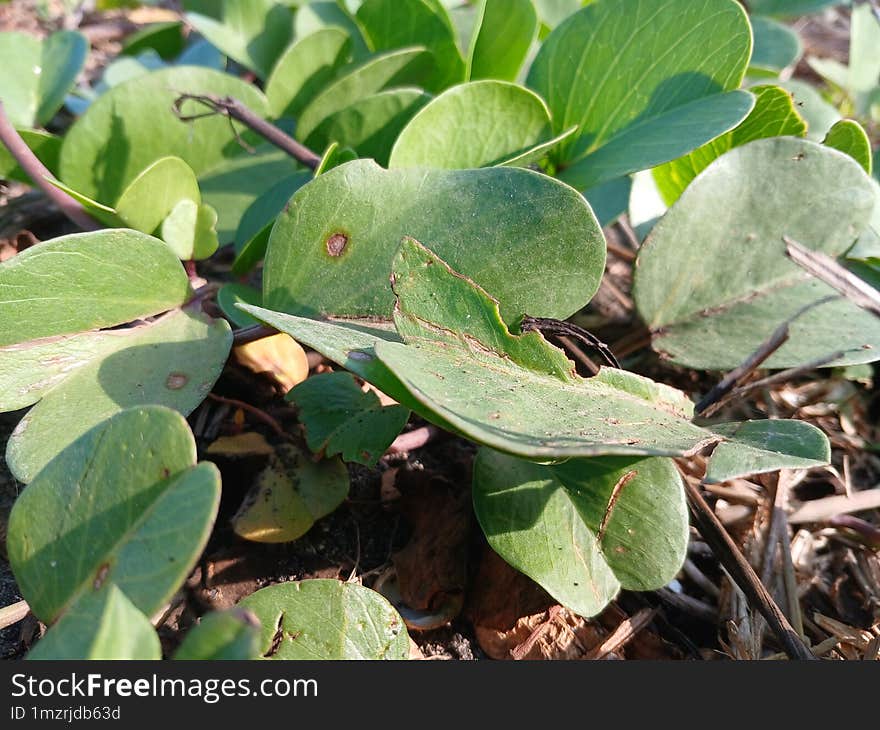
x,y
327,619
586,528
644,81
386,70
289,495
190,230
37,74
253,32
304,69
154,193
774,115
81,380
477,124
710,308
124,503
133,125
391,24
120,276
776,45
340,418
102,624
849,137
232,635
503,34
372,124
494,225
763,446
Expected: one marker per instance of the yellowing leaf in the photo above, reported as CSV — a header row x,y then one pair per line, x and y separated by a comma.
x,y
290,494
279,355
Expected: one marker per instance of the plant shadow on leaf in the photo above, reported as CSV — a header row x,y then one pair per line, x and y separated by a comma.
x,y
109,168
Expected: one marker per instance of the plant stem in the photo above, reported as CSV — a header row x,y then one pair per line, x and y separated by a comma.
x,y
826,269
40,175
10,615
415,439
234,109
252,334
743,574
729,381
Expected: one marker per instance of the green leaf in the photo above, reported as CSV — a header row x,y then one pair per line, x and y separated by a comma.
x,y
46,146
774,115
349,343
154,193
462,369
711,308
391,24
83,379
764,446
165,38
190,230
511,230
776,46
232,635
819,115
102,624
864,60
133,125
644,81
37,74
235,184
340,418
120,276
253,32
334,156
304,69
503,36
849,137
517,393
790,7
370,125
318,15
256,223
384,71
584,529
290,495
125,503
231,294
327,619
609,200
477,124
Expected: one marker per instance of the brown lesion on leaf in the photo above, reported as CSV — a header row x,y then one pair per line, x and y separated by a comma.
x,y
277,638
176,381
612,502
337,243
101,576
